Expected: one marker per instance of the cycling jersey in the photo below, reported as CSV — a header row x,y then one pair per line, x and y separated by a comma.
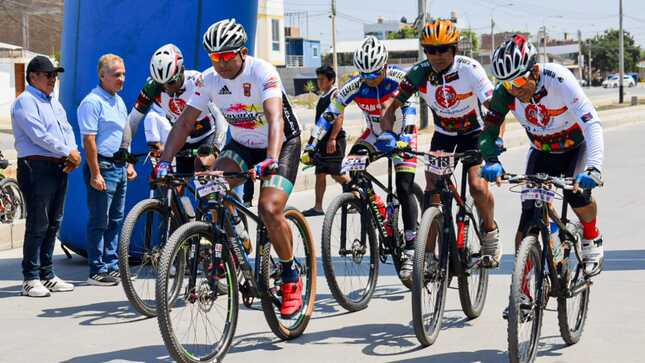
x,y
371,100
241,101
558,118
454,95
153,93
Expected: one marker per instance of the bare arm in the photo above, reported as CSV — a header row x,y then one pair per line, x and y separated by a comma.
x,y
387,120
180,131
273,114
89,144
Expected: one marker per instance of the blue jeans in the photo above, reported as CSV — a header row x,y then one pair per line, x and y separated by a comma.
x,y
106,210
43,185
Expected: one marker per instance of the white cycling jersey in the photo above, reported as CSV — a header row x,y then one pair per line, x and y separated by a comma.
x,y
241,101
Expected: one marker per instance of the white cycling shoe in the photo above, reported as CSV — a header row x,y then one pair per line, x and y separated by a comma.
x,y
592,255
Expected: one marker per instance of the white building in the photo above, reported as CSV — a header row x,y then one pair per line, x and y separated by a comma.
x,y
269,36
382,28
13,64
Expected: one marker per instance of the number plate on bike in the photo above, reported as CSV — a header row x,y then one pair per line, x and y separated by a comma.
x,y
440,163
218,185
354,163
542,194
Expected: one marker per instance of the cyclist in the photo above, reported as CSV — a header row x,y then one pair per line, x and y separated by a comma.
x,y
562,125
371,91
454,87
163,98
265,136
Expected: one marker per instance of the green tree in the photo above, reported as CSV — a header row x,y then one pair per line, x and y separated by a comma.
x,y
474,39
604,51
405,33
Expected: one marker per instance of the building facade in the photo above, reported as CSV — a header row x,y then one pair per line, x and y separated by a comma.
x,y
270,38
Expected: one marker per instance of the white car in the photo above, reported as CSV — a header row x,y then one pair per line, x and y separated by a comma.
x,y
612,81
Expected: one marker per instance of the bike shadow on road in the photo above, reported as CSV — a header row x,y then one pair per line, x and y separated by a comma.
x,y
98,314
479,356
327,307
154,353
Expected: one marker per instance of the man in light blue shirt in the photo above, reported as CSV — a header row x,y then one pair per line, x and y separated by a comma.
x,y
102,119
47,151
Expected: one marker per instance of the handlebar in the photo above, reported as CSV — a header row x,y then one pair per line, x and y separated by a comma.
x,y
540,179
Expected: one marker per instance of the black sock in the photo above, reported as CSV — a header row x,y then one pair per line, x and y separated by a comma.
x,y
289,272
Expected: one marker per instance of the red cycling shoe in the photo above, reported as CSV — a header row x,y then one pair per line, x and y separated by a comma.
x,y
291,298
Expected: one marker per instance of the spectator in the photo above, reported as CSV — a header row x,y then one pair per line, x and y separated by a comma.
x,y
47,152
332,145
102,119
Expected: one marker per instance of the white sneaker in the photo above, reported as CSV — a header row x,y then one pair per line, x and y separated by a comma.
x,y
57,284
592,255
34,288
491,250
406,266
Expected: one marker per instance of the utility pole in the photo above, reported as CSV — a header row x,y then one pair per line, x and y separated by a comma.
x,y
621,53
333,38
544,39
580,57
589,62
492,37
423,107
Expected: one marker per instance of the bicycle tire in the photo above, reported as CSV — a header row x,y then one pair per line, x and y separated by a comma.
x,y
428,335
529,248
346,300
397,258
471,307
10,187
178,351
135,286
572,332
293,327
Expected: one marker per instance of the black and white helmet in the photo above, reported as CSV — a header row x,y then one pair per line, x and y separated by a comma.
x,y
224,35
371,56
166,63
513,58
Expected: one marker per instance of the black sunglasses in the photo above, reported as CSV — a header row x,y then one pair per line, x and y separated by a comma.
x,y
437,49
50,75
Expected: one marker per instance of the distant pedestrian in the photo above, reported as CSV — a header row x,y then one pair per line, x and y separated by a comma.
x,y
102,119
47,152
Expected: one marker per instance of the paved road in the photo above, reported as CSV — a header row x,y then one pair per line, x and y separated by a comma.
x,y
95,324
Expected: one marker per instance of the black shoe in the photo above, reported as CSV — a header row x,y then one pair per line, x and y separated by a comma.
x,y
102,279
311,212
115,274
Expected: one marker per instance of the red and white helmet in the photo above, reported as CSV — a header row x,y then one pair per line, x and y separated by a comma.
x,y
166,64
513,58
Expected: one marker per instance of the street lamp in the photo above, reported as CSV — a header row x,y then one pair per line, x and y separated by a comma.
x,y
492,27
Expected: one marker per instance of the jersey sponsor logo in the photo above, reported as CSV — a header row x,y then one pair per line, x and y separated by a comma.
x,y
349,89
224,91
247,89
452,77
539,115
539,95
586,117
199,81
176,105
271,83
447,97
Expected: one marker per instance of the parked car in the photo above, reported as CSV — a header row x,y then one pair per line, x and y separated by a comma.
x,y
635,76
612,81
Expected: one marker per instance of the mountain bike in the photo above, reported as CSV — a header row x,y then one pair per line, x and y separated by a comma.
x,y
12,204
216,256
359,230
447,247
547,264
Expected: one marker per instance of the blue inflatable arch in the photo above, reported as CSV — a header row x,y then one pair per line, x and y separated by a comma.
x,y
132,29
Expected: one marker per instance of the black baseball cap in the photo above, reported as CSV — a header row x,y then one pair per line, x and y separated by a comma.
x,y
42,64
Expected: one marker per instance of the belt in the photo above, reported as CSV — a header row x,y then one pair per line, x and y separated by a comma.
x,y
51,159
106,158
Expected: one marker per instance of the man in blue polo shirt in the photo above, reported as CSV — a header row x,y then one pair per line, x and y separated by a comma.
x,y
102,118
47,151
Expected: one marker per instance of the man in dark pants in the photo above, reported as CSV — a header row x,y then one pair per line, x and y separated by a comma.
x,y
47,152
332,145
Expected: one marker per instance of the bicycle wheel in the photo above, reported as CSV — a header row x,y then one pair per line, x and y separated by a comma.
x,y
144,233
350,253
429,278
12,204
201,324
525,308
305,259
572,310
397,224
473,283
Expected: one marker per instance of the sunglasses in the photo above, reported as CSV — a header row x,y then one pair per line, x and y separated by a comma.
x,y
225,56
436,49
518,82
49,75
371,75
174,79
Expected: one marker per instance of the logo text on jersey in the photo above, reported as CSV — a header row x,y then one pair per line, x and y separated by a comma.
x,y
224,91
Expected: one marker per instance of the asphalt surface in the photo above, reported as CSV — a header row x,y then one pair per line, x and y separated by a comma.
x,y
96,324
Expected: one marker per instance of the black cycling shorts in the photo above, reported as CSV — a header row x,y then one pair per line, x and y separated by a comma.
x,y
246,158
558,164
332,167
457,143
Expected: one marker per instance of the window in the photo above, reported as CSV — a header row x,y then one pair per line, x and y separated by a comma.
x,y
275,34
315,51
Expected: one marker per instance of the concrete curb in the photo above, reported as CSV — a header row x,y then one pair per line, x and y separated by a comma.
x,y
12,235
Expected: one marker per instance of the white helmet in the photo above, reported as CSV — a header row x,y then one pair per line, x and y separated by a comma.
x,y
371,56
224,35
513,58
166,63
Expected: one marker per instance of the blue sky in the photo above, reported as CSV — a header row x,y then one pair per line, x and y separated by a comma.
x,y
559,16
